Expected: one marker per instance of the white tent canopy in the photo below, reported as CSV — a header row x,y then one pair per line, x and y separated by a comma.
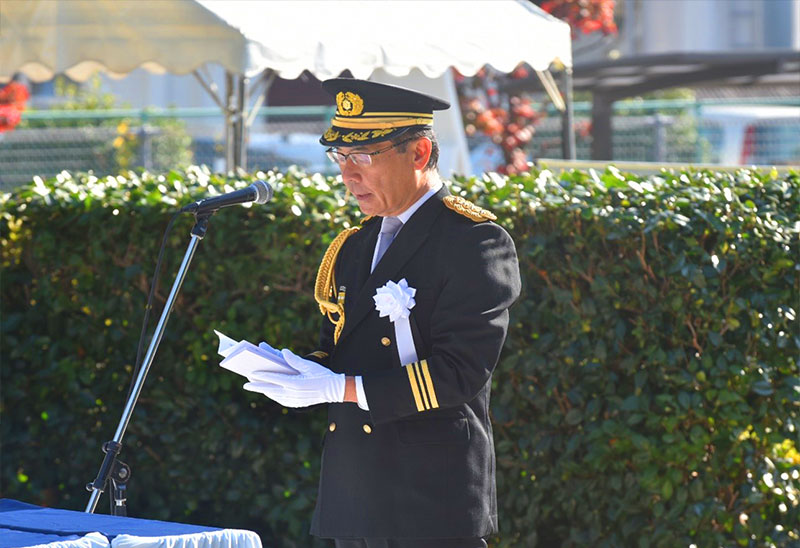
x,y
43,38
267,38
327,37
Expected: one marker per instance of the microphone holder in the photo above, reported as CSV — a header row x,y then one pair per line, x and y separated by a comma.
x,y
111,469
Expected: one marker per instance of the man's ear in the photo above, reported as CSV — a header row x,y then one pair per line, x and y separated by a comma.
x,y
422,153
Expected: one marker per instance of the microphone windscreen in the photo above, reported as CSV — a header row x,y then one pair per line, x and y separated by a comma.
x,y
263,192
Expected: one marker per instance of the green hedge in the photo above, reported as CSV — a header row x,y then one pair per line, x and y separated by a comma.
x,y
648,393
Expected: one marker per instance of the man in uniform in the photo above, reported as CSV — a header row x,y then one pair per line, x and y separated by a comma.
x,y
416,302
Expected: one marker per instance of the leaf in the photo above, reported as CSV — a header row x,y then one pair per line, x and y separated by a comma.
x,y
630,403
573,417
666,490
762,388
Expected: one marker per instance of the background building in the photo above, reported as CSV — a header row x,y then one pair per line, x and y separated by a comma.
x,y
727,84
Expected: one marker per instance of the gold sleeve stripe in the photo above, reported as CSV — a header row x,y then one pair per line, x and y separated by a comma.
x,y
414,389
378,123
319,354
423,389
429,382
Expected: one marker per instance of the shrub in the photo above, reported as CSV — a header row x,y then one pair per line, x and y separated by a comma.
x,y
647,394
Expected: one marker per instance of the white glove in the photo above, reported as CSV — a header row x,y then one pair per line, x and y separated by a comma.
x,y
313,384
265,346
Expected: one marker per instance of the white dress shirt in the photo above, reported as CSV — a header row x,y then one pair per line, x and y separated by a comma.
x,y
404,217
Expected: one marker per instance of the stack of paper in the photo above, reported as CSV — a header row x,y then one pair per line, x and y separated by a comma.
x,y
246,359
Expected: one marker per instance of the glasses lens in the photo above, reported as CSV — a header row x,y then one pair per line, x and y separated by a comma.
x,y
335,156
360,159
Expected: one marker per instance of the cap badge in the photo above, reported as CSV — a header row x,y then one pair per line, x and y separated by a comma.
x,y
349,103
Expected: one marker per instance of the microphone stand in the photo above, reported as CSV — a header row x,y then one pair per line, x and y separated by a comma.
x,y
113,470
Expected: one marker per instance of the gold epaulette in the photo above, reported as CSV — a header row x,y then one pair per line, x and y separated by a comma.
x,y
469,210
325,287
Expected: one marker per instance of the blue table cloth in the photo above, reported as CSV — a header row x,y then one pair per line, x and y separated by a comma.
x,y
23,524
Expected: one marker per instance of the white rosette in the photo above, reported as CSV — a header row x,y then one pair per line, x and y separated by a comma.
x,y
396,301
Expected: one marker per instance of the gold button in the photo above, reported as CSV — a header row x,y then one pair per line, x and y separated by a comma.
x,y
367,429
332,426
386,341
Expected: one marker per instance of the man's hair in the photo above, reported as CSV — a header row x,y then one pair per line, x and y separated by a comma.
x,y
433,161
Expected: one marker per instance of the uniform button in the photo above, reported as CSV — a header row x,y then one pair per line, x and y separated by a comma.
x,y
386,341
367,429
332,426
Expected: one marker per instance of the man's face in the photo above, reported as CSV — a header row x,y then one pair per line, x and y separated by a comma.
x,y
389,185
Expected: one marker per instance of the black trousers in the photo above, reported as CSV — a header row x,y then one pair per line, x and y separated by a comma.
x,y
411,543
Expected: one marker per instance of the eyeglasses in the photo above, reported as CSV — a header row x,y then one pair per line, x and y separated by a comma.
x,y
359,158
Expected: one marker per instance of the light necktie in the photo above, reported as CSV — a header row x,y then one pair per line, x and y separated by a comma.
x,y
389,228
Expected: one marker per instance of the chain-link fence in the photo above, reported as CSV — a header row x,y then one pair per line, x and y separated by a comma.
x,y
47,142
756,132
724,132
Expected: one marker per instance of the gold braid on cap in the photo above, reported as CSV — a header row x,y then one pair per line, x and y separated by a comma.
x,y
325,288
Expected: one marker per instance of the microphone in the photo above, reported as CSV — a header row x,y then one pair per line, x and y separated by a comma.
x,y
259,192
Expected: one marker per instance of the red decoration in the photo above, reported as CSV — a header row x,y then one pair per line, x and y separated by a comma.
x,y
508,120
13,97
584,15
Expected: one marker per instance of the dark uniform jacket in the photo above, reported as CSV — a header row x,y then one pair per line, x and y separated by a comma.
x,y
420,463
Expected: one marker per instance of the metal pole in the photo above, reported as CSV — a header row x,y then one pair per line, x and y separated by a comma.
x,y
660,138
567,118
145,141
241,130
113,448
602,144
230,133
698,142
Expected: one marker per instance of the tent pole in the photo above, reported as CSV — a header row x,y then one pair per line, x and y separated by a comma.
x,y
211,88
567,118
550,87
245,118
229,122
241,130
266,79
224,105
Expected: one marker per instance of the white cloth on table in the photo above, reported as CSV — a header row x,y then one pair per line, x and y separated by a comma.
x,y
226,538
91,540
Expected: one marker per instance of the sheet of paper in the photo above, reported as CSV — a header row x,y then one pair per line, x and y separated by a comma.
x,y
246,359
226,344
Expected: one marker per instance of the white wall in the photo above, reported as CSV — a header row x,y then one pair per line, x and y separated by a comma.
x,y
668,26
142,89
